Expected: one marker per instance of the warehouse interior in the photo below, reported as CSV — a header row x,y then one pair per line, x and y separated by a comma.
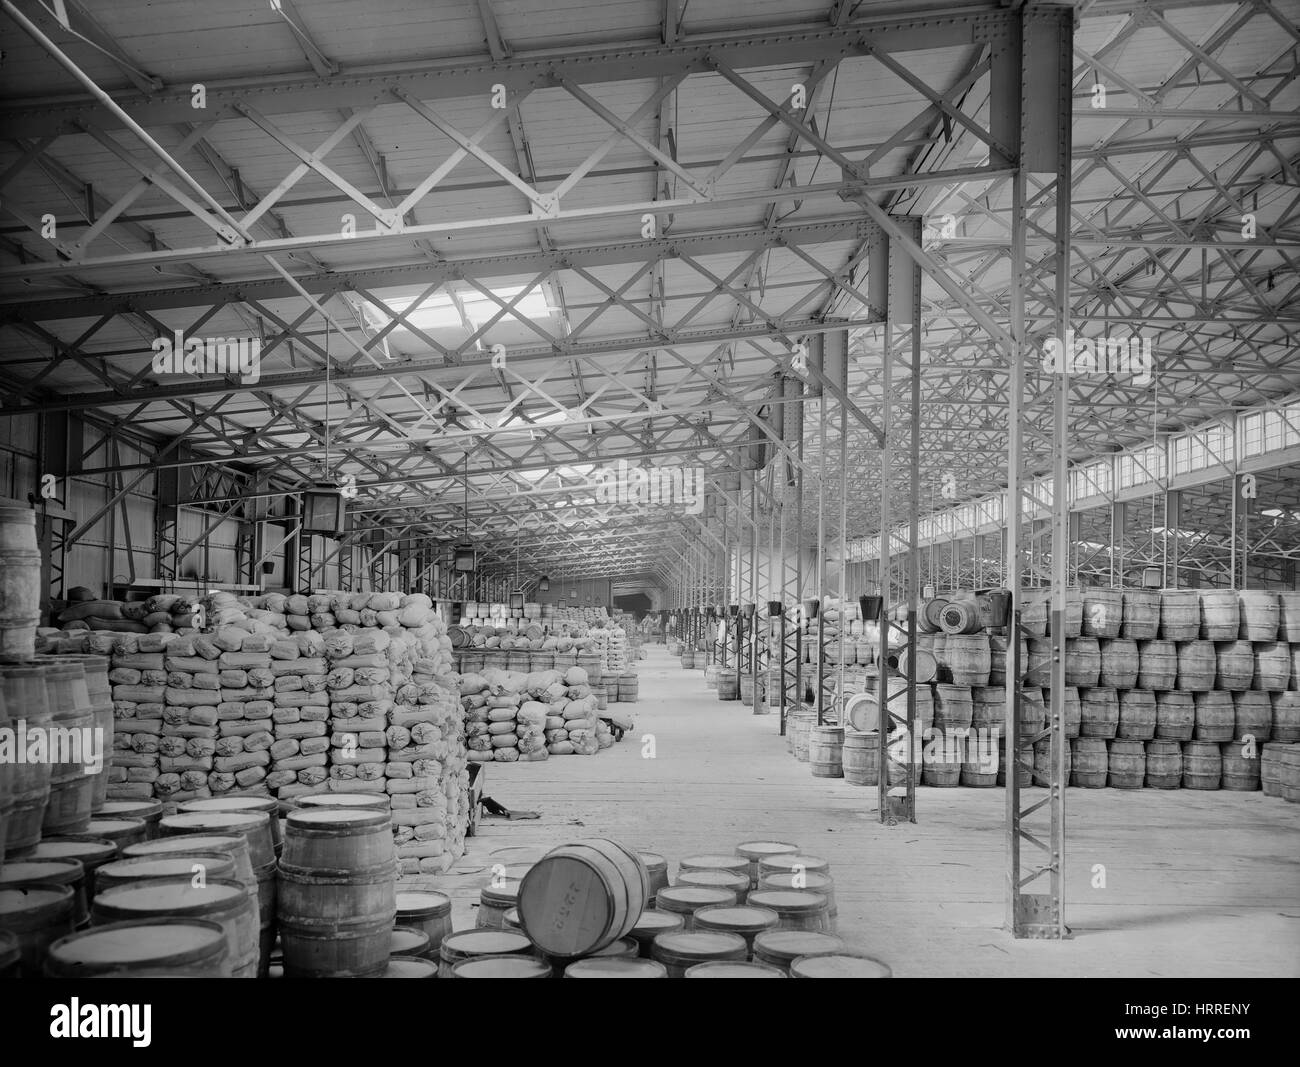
x,y
751,384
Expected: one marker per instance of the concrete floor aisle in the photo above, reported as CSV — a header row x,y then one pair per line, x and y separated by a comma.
x,y
1166,884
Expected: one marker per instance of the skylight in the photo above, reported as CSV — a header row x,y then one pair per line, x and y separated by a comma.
x,y
439,312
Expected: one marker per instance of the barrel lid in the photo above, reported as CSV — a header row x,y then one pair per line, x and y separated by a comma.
x,y
788,900
143,868
599,967
407,941
692,896
425,903
22,899
506,892
57,871
108,827
136,809
179,898
484,943
737,918
367,801
657,922
791,944
316,818
814,880
185,843
714,862
653,859
717,879
838,965
623,948
90,852
410,967
263,804
126,943
511,920
699,945
502,967
517,854
756,850
793,862
732,969
215,820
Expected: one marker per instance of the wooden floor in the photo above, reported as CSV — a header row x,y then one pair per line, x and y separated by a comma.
x,y
1196,883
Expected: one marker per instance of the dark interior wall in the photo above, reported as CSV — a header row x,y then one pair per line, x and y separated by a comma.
x,y
637,603
593,592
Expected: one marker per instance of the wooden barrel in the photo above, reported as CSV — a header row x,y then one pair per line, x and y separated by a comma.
x,y
728,685
1197,666
825,745
1042,762
717,879
1099,708
1038,661
816,881
732,969
799,725
1089,762
953,707
582,896
219,900
1270,768
24,693
657,868
1272,666
1141,613
1175,716
337,896
686,900
426,911
20,583
1235,664
268,806
507,966
92,855
1260,613
1202,765
958,617
65,872
941,769
72,790
744,920
979,766
1288,617
651,924
204,848
999,659
1253,715
988,708
798,909
1073,710
629,689
1286,717
1157,665
255,826
1137,715
1119,663
1033,711
1240,772
37,915
688,660
780,948
352,801
1127,764
1022,762
1220,615
1082,661
151,811
839,965
860,757
1164,765
468,945
1215,716
967,658
195,948
1289,773
679,951
1180,614
919,664
495,899
1103,612
754,852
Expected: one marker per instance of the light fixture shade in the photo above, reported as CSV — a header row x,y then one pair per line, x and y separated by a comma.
x,y
322,511
1152,577
870,606
463,559
775,609
545,584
